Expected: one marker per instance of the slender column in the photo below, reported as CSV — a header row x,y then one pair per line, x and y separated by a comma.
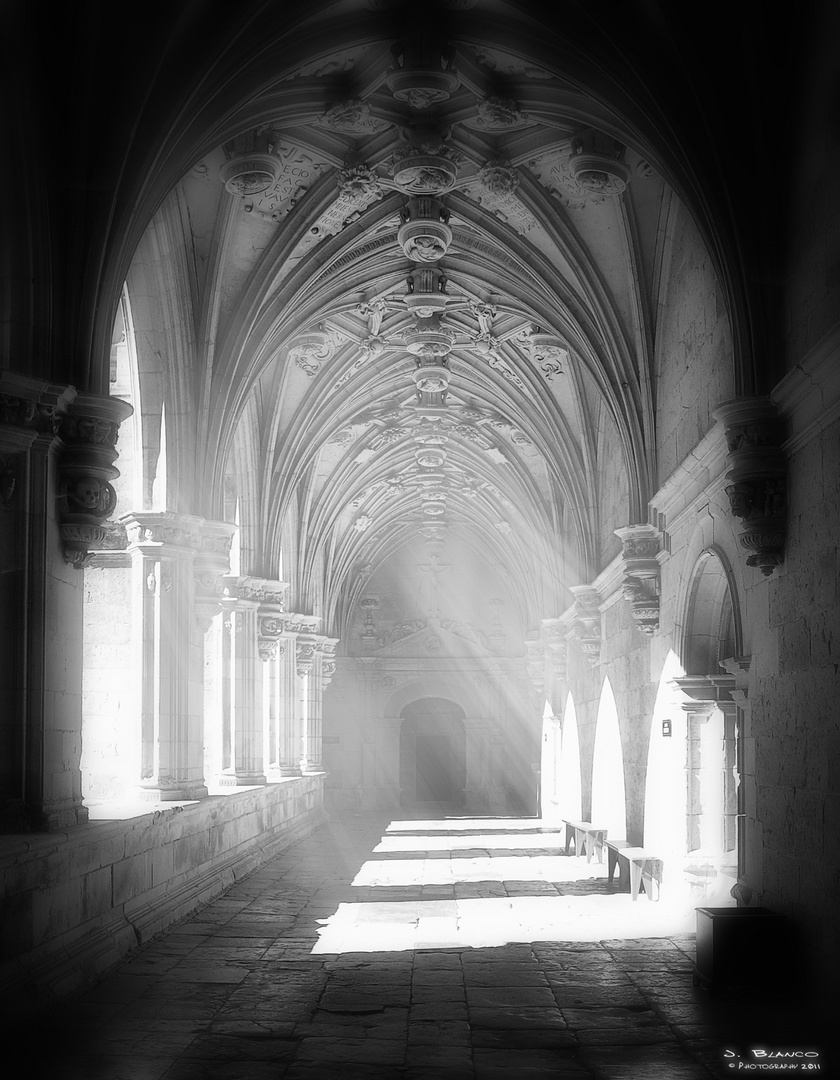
x,y
243,742
323,668
289,731
711,715
304,663
171,743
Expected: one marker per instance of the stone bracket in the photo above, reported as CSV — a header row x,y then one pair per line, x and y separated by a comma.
x,y
586,624
640,546
757,476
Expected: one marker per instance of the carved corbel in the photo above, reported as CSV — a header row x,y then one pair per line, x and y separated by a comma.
x,y
640,547
535,665
304,656
86,467
270,625
557,647
326,647
757,476
586,624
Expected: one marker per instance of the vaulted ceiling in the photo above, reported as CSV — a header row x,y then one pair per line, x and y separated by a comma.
x,y
418,277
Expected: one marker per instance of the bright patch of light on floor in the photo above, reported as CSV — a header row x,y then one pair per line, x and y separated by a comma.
x,y
471,842
492,921
465,824
549,868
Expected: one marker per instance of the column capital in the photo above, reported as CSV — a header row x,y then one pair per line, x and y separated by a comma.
x,y
212,562
162,531
705,693
757,476
641,545
586,623
86,498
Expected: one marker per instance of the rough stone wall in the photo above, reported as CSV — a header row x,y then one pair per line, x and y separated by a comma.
x,y
693,357
795,718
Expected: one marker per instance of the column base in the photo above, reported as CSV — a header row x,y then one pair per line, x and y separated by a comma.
x,y
52,817
311,767
242,780
281,772
167,793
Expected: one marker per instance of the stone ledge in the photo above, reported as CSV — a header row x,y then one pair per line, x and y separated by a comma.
x,y
43,963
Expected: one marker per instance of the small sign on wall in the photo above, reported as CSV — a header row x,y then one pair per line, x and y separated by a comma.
x,y
666,728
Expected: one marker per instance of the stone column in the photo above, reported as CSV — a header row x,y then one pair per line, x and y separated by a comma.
x,y
171,737
289,734
243,747
709,789
323,668
57,453
30,414
304,663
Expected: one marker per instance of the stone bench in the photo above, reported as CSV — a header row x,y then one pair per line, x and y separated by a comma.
x,y
587,837
635,866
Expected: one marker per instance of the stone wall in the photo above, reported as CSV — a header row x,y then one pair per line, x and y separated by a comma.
x,y
693,360
794,704
75,903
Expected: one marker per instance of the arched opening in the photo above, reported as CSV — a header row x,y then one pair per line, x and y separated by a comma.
x,y
608,803
432,756
712,649
665,785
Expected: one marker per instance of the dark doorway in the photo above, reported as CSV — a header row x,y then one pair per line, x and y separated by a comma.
x,y
432,756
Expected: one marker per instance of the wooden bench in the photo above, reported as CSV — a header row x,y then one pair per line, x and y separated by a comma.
x,y
635,867
587,837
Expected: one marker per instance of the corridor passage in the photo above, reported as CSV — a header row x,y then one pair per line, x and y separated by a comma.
x,y
380,949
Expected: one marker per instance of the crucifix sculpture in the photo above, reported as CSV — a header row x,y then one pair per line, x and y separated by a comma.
x,y
433,569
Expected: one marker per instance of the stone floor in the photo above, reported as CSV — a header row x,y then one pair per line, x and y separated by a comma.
x,y
425,951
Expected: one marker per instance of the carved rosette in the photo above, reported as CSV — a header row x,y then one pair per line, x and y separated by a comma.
x,y
640,547
586,624
424,235
428,168
359,182
548,352
498,177
422,74
757,476
597,163
311,349
86,466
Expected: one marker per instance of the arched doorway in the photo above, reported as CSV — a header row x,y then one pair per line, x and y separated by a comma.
x,y
432,756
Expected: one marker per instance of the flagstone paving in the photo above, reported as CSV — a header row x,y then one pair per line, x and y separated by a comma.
x,y
427,981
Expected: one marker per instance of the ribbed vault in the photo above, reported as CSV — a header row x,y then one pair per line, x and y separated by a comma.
x,y
420,270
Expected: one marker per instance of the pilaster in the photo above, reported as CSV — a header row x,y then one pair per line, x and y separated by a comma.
x,y
242,707
57,450
162,549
